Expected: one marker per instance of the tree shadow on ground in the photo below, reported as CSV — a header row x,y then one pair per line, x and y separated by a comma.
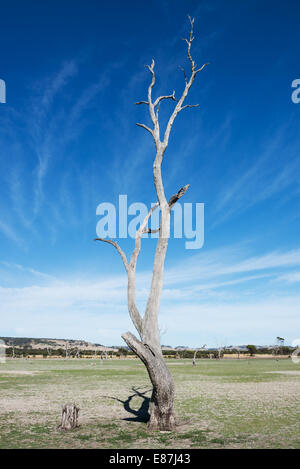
x,y
141,414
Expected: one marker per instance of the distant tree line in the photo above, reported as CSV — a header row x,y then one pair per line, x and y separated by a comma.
x,y
27,351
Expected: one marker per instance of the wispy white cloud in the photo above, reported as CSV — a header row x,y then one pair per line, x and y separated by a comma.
x,y
56,84
43,128
98,312
54,116
10,233
233,322
213,294
290,277
18,198
233,260
29,270
268,176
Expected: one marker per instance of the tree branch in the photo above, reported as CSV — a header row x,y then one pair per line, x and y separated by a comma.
x,y
147,128
148,326
149,230
154,116
170,96
136,346
138,236
132,308
201,68
178,196
150,321
151,107
188,84
122,254
184,72
188,105
143,230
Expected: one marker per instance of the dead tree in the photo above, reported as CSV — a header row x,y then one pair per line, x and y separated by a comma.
x,y
67,350
278,346
69,417
148,348
220,352
195,354
10,343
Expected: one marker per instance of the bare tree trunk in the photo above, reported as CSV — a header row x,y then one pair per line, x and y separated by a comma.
x,y
67,350
148,349
194,359
162,399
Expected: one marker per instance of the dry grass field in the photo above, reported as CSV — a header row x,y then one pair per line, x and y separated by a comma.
x,y
219,404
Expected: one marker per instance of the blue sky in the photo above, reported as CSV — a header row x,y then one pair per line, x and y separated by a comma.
x,y
68,141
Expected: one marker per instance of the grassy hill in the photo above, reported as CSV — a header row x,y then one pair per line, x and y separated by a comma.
x,y
52,344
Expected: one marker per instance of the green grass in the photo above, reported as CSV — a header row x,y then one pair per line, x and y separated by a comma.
x,y
219,404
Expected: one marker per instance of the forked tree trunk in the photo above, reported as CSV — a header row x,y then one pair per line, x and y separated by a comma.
x,y
148,349
162,399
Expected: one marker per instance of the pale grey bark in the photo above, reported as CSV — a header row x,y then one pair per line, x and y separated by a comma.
x,y
67,350
69,417
148,348
194,358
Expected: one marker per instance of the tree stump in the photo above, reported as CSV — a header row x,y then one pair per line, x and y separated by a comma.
x,y
69,417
